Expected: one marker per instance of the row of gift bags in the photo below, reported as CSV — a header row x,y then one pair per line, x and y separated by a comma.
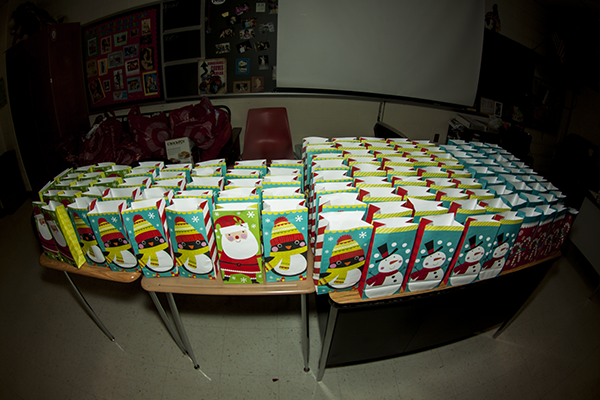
x,y
388,256
181,235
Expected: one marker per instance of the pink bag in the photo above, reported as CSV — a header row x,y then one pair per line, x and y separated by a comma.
x,y
150,133
101,142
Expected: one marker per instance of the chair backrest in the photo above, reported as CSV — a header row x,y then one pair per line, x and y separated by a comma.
x,y
267,135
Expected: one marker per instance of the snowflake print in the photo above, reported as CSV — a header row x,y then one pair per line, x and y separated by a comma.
x,y
253,226
195,218
299,218
330,238
151,216
362,235
114,219
251,214
268,220
127,219
244,280
326,251
216,213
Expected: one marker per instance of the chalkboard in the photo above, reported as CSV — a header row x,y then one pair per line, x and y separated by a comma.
x,y
182,45
181,13
182,80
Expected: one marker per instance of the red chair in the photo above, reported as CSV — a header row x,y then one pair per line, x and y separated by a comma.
x,y
268,135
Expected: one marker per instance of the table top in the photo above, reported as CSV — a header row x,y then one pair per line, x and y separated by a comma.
x,y
352,296
90,270
217,287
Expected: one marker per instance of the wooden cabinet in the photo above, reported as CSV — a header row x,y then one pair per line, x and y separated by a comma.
x,y
47,97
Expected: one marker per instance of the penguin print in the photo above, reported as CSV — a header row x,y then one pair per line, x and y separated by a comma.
x,y
345,264
192,249
288,249
152,247
117,249
87,240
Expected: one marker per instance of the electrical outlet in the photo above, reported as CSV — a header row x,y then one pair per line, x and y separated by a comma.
x,y
436,138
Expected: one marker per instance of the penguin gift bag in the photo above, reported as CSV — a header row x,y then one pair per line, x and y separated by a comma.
x,y
391,245
510,224
78,211
238,235
285,239
474,247
192,238
105,221
343,240
146,224
437,239
63,233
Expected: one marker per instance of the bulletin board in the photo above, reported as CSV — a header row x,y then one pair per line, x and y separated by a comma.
x,y
122,59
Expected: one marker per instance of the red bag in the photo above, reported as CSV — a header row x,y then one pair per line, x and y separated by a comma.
x,y
101,142
150,133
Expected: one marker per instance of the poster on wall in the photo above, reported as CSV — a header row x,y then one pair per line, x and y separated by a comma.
x,y
122,59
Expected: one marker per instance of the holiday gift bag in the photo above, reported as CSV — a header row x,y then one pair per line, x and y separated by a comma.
x,y
424,208
542,232
519,253
192,238
416,192
463,209
146,225
270,181
515,201
391,244
78,211
343,240
387,209
105,221
285,239
173,184
510,224
437,240
494,206
474,246
376,195
553,241
282,193
214,183
63,233
237,229
447,196
43,230
207,171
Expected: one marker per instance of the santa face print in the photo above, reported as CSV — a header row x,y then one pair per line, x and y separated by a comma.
x,y
435,260
500,251
237,236
392,263
475,254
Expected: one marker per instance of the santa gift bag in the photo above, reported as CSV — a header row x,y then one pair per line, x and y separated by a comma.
x,y
43,230
391,244
78,211
474,246
146,225
510,224
437,240
193,244
519,253
105,221
63,233
343,241
237,229
285,239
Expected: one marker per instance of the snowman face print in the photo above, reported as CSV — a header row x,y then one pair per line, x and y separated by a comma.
x,y
392,263
500,251
434,260
475,254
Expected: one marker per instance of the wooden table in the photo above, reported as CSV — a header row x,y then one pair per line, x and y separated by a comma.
x,y
93,272
216,287
356,330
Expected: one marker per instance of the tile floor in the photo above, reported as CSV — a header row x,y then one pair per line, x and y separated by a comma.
x,y
249,348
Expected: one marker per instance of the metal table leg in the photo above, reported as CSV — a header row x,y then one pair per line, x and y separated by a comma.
x,y
181,329
167,321
325,346
89,310
305,333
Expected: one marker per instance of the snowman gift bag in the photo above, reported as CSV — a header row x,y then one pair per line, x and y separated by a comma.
x,y
43,230
63,233
78,211
192,236
437,240
105,221
146,225
474,246
510,224
343,240
285,239
391,245
238,234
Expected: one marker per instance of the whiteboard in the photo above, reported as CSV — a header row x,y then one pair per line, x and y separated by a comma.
x,y
427,49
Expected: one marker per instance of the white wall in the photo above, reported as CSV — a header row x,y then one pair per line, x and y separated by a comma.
x,y
522,21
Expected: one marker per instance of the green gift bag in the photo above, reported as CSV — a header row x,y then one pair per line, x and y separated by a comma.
x,y
63,233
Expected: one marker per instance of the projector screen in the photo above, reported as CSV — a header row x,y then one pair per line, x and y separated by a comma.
x,y
427,49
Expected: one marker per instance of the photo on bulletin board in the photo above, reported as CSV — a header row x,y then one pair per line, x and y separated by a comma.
x,y
212,76
122,59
